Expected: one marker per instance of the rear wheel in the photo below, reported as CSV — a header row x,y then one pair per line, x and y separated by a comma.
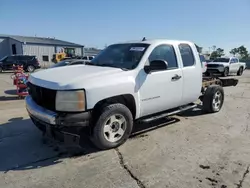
x,y
213,99
240,71
226,72
1,69
113,126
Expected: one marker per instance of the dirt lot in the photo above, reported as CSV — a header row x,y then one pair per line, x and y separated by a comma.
x,y
191,150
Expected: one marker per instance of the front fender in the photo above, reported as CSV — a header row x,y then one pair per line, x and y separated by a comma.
x,y
101,92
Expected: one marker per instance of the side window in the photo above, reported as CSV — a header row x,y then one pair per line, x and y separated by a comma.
x,y
90,58
45,58
23,58
85,58
11,58
236,60
232,60
186,55
164,52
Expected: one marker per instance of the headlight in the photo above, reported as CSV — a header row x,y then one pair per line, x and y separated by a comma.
x,y
70,101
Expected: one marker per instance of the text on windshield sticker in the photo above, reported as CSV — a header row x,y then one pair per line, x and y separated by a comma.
x,y
140,49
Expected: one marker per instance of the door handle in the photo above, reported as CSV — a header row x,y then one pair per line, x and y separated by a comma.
x,y
176,77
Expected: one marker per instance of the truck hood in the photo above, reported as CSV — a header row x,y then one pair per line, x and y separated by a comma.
x,y
218,63
74,77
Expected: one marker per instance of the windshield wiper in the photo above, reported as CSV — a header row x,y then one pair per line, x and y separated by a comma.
x,y
106,65
90,63
112,65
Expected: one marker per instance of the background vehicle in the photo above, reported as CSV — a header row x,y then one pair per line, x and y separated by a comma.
x,y
204,63
87,58
126,82
63,54
68,62
29,62
226,66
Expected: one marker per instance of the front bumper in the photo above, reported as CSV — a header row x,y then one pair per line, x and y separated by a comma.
x,y
64,127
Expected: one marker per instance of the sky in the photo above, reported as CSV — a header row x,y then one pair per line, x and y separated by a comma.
x,y
96,23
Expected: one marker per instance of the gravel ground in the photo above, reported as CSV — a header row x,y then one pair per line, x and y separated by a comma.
x,y
190,150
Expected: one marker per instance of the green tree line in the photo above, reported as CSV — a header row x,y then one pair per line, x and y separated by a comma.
x,y
240,52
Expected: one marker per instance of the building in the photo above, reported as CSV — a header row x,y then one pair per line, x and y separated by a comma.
x,y
43,48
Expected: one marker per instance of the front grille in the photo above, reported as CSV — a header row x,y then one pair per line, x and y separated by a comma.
x,y
212,65
42,96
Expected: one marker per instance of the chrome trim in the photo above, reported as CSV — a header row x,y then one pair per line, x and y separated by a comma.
x,y
40,112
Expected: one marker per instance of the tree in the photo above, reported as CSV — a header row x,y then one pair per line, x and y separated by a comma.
x,y
234,51
241,52
213,47
217,53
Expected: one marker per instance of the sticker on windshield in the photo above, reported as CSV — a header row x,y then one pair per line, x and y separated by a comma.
x,y
140,49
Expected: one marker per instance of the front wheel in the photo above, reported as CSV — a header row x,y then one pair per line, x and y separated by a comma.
x,y
226,72
30,68
113,126
213,99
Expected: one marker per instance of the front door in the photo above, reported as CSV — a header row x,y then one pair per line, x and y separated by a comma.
x,y
160,91
9,62
234,65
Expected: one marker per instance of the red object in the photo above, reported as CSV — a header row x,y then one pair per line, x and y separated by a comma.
x,y
19,79
20,85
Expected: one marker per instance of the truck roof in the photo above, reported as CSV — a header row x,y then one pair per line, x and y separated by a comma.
x,y
153,41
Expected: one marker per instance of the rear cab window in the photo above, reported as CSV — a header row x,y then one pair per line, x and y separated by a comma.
x,y
187,55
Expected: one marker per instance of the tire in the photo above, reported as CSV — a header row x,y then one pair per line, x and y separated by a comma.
x,y
213,99
226,72
240,71
1,69
110,115
30,68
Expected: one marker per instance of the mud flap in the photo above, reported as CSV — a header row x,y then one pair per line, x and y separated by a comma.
x,y
229,82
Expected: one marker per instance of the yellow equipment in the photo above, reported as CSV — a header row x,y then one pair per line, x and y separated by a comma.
x,y
58,57
65,52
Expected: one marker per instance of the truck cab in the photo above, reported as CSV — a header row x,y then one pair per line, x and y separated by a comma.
x,y
126,82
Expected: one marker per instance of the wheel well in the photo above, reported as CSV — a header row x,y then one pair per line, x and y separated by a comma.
x,y
126,99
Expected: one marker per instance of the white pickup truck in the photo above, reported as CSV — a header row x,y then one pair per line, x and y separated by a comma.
x,y
226,66
125,83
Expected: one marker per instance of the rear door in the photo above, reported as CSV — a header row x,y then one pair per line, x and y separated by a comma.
x,y
192,74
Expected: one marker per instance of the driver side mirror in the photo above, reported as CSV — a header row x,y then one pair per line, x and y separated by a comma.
x,y
156,65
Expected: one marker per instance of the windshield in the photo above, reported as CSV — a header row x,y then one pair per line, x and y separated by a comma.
x,y
3,58
60,64
222,60
125,56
